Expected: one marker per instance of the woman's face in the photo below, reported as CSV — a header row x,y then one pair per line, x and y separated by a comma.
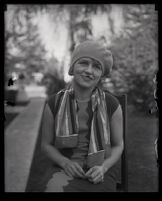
x,y
87,72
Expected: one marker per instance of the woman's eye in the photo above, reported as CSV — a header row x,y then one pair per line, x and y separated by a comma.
x,y
97,66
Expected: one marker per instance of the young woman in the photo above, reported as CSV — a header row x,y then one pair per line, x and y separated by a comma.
x,y
82,126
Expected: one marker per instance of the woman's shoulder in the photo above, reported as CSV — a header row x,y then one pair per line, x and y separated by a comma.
x,y
52,97
51,100
111,98
111,102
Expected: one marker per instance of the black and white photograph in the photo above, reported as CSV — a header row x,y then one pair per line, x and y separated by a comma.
x,y
80,98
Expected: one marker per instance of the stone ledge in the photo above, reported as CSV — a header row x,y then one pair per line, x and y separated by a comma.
x,y
20,141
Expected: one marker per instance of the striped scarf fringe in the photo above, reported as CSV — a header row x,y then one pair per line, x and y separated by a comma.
x,y
67,126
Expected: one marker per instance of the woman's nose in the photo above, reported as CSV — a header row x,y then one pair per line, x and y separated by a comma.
x,y
89,68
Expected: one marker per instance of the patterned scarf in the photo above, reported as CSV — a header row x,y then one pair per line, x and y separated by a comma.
x,y
67,126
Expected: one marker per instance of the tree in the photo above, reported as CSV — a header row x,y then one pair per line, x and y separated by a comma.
x,y
140,18
53,77
136,59
22,43
77,18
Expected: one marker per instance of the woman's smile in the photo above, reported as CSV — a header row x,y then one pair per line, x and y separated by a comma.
x,y
87,77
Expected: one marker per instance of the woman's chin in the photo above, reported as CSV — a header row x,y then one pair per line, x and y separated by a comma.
x,y
84,84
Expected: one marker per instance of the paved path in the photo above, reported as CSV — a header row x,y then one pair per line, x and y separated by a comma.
x,y
31,91
20,142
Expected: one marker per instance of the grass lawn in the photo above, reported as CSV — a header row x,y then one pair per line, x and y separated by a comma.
x,y
142,166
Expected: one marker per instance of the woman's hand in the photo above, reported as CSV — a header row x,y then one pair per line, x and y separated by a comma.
x,y
73,169
96,174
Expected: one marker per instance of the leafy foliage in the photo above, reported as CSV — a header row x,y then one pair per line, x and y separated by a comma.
x,y
136,64
78,20
23,45
53,78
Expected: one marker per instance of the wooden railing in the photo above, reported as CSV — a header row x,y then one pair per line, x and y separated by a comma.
x,y
20,143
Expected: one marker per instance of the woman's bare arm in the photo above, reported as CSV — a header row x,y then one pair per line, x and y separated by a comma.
x,y
96,173
47,138
116,130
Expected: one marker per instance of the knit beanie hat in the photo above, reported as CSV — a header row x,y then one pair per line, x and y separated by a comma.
x,y
94,50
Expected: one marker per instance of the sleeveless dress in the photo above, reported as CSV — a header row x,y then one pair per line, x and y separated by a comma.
x,y
60,182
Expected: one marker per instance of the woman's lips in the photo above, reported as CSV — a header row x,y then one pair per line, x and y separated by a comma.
x,y
87,77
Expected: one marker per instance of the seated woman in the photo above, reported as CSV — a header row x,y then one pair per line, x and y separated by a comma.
x,y
82,126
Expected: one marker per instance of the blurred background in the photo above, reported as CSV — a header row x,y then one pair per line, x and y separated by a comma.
x,y
39,40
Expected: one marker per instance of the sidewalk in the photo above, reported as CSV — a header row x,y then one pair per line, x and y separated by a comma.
x,y
29,92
